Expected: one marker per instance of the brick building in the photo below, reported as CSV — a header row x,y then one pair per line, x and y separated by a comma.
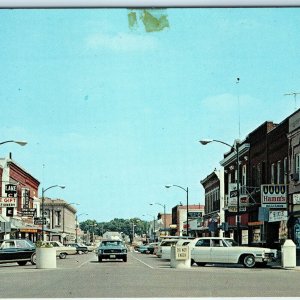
x,y
21,188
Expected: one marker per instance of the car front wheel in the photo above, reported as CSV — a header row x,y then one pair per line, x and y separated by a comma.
x,y
62,255
249,261
125,259
33,259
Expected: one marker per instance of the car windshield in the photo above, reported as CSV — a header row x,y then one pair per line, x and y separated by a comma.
x,y
230,243
111,243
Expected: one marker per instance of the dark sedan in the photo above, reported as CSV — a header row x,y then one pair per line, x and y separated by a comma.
x,y
20,251
80,248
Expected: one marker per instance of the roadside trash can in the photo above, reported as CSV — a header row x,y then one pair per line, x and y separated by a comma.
x,y
180,257
288,254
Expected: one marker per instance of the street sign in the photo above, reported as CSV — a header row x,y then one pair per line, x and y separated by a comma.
x,y
28,211
8,202
40,221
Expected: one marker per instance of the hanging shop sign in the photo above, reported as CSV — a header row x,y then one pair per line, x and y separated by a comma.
x,y
8,202
25,197
30,212
274,195
232,199
10,189
277,215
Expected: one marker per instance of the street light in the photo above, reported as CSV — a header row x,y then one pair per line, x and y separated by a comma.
x,y
236,149
164,206
77,225
21,143
187,204
43,204
154,235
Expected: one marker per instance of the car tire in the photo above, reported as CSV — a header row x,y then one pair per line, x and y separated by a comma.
x,y
22,263
79,252
125,259
33,259
249,261
62,255
99,259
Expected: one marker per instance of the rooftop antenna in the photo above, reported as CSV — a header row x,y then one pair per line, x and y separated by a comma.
x,y
238,95
295,97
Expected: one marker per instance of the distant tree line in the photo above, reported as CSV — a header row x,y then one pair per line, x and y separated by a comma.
x,y
120,225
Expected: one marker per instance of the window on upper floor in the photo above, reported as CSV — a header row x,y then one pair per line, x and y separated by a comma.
x,y
285,170
297,163
279,177
272,173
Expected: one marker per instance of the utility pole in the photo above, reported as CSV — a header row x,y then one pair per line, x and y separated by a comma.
x,y
295,97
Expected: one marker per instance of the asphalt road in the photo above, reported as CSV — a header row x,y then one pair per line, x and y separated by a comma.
x,y
81,276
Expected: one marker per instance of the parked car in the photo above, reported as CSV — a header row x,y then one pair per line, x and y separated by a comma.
x,y
61,250
152,247
91,247
225,250
80,248
143,249
20,251
164,248
112,249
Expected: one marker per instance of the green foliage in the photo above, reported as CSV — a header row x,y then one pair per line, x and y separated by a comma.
x,y
120,225
42,244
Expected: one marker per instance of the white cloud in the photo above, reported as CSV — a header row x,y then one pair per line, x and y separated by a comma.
x,y
122,42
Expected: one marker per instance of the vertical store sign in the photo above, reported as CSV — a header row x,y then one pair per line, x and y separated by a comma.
x,y
25,197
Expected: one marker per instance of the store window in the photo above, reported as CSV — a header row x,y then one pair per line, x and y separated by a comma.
x,y
297,163
285,170
279,179
272,173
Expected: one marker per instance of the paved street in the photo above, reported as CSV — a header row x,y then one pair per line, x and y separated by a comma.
x,y
143,276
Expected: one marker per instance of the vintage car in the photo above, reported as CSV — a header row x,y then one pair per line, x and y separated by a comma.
x,y
164,247
143,249
225,250
112,249
153,248
61,250
20,251
80,248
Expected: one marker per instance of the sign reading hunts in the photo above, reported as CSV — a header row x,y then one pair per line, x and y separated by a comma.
x,y
274,195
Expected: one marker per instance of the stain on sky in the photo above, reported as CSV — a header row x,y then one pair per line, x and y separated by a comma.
x,y
153,19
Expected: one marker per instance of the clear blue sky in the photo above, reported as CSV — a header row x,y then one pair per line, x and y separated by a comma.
x,y
115,113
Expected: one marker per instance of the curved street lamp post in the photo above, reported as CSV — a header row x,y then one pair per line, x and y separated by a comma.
x,y
187,204
236,149
21,143
164,206
43,204
154,235
76,225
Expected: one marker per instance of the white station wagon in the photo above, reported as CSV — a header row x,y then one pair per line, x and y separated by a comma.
x,y
225,250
